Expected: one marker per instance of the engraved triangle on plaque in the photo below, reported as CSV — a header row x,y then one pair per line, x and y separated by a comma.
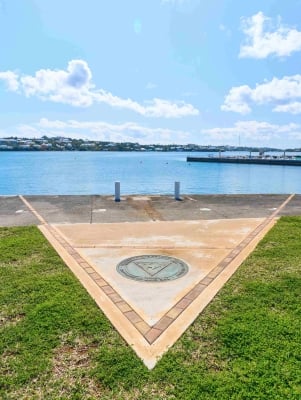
x,y
152,268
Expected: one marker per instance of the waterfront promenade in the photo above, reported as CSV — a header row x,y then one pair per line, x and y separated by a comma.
x,y
101,209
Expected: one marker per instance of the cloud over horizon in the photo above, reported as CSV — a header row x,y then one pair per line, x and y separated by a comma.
x,y
74,86
103,131
284,94
254,130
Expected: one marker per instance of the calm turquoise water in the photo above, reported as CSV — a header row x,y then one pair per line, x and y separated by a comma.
x,y
140,173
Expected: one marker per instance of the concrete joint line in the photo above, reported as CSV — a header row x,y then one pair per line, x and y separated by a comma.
x,y
283,205
32,210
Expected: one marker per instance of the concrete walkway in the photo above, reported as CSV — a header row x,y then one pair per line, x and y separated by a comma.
x,y
212,235
99,209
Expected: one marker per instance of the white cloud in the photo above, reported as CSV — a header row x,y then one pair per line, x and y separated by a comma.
x,y
262,42
11,80
282,93
152,108
254,130
292,108
237,100
164,108
100,130
74,86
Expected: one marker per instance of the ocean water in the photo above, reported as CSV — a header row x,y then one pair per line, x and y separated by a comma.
x,y
138,173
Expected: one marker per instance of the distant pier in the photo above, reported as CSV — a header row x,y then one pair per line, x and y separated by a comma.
x,y
248,160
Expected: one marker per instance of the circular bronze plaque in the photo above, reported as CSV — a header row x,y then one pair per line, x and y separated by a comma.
x,y
152,268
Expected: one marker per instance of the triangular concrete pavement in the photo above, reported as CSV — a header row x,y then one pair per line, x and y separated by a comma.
x,y
152,315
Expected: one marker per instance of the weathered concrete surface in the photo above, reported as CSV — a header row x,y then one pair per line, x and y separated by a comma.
x,y
200,244
151,317
13,212
99,209
293,207
212,234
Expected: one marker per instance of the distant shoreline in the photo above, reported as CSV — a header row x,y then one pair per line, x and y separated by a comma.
x,y
68,144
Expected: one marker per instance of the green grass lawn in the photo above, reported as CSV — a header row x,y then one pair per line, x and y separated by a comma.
x,y
56,344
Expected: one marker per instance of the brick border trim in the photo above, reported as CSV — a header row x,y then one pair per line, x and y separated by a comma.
x,y
152,333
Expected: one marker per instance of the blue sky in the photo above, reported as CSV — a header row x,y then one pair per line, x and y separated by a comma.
x,y
160,71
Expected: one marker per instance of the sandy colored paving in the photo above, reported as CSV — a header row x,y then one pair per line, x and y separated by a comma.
x,y
151,316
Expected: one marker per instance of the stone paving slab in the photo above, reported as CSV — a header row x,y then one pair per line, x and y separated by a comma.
x,y
220,206
62,209
196,234
293,207
13,212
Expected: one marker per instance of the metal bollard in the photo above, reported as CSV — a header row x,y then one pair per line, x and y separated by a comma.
x,y
177,191
117,191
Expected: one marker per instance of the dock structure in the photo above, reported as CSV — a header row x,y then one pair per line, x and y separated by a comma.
x,y
247,160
